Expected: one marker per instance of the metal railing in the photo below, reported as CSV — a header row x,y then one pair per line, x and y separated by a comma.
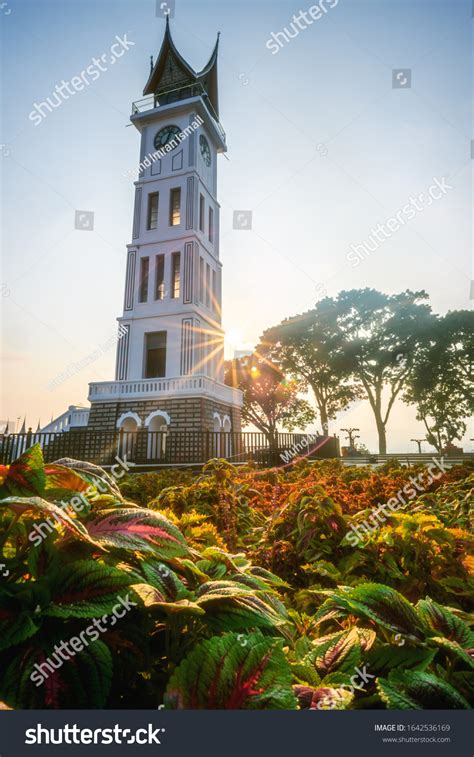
x,y
195,90
406,459
173,448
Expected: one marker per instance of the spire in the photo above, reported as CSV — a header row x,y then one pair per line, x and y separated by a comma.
x,y
38,428
172,78
7,430
23,428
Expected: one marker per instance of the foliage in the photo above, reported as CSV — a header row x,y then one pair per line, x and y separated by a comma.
x,y
243,591
270,399
441,383
308,347
380,336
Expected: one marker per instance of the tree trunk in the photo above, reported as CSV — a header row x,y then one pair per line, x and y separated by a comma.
x,y
273,440
382,436
324,421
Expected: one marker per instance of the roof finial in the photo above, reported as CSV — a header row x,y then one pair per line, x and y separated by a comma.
x,y
23,428
151,63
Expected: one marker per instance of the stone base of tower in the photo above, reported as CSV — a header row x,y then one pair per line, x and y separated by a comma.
x,y
186,403
184,414
174,431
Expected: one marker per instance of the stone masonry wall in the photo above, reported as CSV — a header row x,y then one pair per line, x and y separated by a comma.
x,y
187,413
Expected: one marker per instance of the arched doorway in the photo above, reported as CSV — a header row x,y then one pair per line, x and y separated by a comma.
x,y
157,423
128,425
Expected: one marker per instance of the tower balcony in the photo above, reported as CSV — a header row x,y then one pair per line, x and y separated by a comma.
x,y
183,386
180,98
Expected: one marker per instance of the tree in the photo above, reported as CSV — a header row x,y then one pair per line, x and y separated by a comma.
x,y
441,382
380,336
308,347
270,400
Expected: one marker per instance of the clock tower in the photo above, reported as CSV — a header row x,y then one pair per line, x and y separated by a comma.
x,y
170,352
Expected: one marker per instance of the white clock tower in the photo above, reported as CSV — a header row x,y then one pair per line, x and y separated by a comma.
x,y
169,367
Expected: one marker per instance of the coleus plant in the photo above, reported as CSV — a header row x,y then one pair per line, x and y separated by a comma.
x,y
87,558
205,628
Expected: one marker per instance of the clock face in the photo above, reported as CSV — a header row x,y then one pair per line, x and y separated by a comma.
x,y
166,135
205,150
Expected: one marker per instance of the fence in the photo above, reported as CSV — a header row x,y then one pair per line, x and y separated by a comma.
x,y
155,448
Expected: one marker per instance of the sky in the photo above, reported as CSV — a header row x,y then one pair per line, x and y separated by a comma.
x,y
322,148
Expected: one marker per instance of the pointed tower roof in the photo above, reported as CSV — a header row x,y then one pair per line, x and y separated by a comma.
x,y
7,430
38,428
23,428
172,74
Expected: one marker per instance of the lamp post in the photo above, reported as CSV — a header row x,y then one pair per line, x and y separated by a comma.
x,y
419,442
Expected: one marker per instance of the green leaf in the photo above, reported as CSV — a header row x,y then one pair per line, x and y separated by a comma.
x,y
454,648
341,652
25,475
48,516
438,618
376,602
385,657
14,626
63,482
161,576
394,698
82,681
152,597
268,577
232,606
140,530
87,589
305,673
463,680
233,672
419,690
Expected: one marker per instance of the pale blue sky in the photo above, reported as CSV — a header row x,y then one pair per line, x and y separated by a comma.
x,y
330,85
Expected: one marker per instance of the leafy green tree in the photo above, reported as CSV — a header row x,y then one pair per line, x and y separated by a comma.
x,y
441,384
380,336
309,347
270,400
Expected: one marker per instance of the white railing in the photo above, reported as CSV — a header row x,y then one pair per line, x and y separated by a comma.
x,y
148,388
74,417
